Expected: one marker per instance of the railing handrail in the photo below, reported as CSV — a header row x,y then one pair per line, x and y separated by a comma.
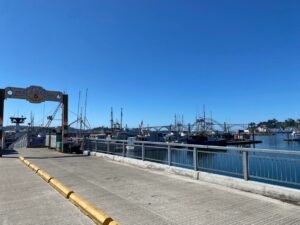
x,y
255,150
17,142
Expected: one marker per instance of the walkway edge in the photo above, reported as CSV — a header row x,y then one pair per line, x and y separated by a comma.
x,y
97,215
277,192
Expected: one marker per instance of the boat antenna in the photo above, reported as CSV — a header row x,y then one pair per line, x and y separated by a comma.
x,y
204,117
86,95
43,114
111,118
31,119
81,121
78,110
121,122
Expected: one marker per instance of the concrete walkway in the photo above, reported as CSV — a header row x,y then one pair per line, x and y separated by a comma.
x,y
27,200
135,196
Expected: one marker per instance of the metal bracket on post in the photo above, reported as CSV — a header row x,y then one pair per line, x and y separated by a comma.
x,y
195,157
143,151
169,156
245,165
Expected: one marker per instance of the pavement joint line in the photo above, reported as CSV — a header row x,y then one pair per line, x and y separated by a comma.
x,y
87,208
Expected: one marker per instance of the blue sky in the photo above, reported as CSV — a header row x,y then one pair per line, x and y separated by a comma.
x,y
155,58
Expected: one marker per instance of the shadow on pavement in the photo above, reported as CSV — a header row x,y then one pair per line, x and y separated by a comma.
x,y
55,157
9,152
15,154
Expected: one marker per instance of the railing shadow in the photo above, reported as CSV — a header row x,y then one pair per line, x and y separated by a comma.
x,y
13,153
9,152
57,157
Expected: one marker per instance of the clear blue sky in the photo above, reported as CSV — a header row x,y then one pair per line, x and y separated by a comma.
x,y
155,58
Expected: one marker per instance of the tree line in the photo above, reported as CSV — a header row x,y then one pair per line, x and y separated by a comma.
x,y
274,123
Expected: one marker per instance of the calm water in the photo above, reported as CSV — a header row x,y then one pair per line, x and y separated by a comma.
x,y
280,169
277,142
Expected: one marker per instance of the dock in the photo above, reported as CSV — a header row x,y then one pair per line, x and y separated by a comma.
x,y
131,195
292,139
247,142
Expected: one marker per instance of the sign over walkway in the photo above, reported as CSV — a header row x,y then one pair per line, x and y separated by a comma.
x,y
33,94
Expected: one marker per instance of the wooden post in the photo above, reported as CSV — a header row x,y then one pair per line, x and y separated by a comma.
x,y
64,127
2,97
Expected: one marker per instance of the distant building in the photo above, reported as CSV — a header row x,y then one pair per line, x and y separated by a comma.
x,y
262,129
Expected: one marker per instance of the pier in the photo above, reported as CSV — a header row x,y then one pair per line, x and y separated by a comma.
x,y
135,182
241,143
149,113
131,195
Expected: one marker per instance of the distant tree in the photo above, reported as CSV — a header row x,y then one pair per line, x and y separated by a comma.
x,y
274,123
289,123
252,124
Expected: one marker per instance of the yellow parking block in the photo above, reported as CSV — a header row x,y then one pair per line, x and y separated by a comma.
x,y
26,162
64,190
90,210
46,177
21,158
114,223
34,167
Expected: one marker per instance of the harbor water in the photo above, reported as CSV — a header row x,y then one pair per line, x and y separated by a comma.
x,y
268,167
277,142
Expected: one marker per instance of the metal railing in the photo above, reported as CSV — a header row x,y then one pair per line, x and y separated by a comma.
x,y
21,142
280,167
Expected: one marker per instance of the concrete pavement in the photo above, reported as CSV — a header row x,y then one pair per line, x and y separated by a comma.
x,y
27,200
135,196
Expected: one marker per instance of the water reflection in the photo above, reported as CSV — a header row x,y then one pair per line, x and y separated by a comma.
x,y
277,142
266,167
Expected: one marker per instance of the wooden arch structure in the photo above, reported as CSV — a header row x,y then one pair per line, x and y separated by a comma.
x,y
34,94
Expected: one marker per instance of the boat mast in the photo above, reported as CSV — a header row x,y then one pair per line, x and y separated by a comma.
x,y
85,106
121,122
111,118
204,126
78,110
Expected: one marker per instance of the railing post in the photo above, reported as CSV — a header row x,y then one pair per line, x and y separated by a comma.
x,y
96,145
108,147
169,156
245,165
82,144
123,149
195,157
143,151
